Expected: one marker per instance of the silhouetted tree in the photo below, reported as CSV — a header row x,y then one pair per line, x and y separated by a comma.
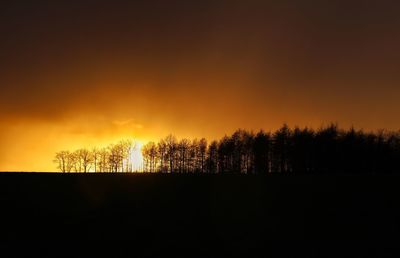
x,y
202,154
212,158
299,150
280,150
247,154
62,159
183,154
300,154
149,152
76,161
95,157
162,155
126,149
225,150
84,160
104,165
171,145
326,149
115,157
261,150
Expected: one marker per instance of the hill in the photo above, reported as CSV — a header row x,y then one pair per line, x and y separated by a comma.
x,y
159,215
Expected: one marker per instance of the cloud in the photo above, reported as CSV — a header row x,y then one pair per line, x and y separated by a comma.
x,y
128,123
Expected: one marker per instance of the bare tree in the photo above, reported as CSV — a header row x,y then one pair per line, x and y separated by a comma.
x,y
149,152
183,149
103,160
115,157
95,157
170,141
193,162
76,161
212,157
126,148
153,156
86,159
146,157
61,159
202,153
162,155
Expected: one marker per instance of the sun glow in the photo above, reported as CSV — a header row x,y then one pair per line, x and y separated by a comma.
x,y
136,157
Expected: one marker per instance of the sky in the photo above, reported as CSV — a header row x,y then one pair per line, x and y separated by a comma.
x,y
84,73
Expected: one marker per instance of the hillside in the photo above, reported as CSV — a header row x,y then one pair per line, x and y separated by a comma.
x,y
155,215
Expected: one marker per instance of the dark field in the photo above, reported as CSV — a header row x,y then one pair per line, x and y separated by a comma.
x,y
115,215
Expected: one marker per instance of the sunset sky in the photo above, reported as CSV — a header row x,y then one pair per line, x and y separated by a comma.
x,y
83,73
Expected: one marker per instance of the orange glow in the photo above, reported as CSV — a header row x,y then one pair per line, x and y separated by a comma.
x,y
193,70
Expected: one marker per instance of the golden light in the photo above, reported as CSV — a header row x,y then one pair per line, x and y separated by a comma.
x,y
136,157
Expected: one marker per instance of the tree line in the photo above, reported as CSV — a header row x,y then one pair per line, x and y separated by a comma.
x,y
286,150
114,158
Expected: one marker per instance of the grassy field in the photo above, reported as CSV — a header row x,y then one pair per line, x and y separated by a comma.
x,y
120,215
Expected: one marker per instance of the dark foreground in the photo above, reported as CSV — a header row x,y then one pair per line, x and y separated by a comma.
x,y
111,215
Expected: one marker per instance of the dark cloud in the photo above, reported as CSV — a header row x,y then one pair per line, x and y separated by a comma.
x,y
292,58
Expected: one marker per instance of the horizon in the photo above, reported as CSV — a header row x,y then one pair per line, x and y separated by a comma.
x,y
138,146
